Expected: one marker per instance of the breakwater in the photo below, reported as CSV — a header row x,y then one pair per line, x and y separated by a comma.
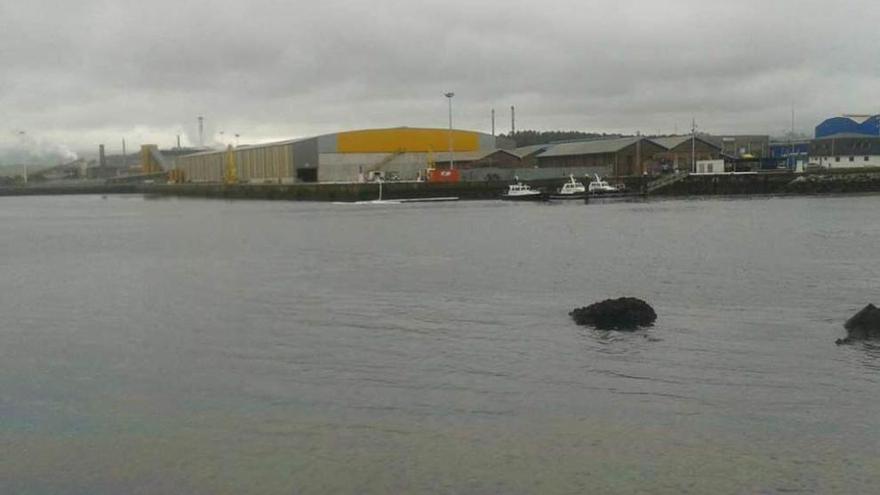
x,y
774,183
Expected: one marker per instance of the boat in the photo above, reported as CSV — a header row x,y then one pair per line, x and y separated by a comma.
x,y
522,192
570,190
600,186
601,191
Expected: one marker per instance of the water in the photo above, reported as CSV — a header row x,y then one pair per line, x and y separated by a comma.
x,y
189,346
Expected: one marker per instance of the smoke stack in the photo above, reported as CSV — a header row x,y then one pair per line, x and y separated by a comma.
x,y
493,122
102,158
512,120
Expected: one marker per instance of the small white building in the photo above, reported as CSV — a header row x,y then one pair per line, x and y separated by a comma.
x,y
710,167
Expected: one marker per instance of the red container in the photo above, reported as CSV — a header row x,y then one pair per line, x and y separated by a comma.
x,y
440,175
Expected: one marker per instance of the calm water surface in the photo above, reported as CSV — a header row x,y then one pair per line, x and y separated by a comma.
x,y
189,346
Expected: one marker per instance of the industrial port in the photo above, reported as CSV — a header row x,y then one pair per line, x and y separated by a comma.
x,y
425,162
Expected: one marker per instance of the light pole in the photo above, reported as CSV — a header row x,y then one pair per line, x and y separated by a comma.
x,y
22,135
451,151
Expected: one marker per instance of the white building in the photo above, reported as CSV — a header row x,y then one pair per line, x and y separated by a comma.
x,y
710,167
845,151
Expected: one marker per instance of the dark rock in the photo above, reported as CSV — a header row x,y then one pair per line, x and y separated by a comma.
x,y
626,313
863,325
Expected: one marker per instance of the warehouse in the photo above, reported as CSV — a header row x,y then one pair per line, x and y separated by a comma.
x,y
681,151
846,151
617,157
867,125
478,159
402,153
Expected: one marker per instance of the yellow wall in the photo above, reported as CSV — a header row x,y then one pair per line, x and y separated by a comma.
x,y
412,140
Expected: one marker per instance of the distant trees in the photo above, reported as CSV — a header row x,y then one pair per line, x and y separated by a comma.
x,y
529,137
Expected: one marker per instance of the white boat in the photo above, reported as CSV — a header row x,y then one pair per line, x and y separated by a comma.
x,y
600,186
570,190
522,192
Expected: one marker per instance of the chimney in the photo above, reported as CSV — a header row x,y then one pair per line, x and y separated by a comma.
x,y
512,121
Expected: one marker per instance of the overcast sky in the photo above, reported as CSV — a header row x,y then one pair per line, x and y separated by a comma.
x,y
74,74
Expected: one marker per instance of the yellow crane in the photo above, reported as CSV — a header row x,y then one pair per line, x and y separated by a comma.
x,y
231,175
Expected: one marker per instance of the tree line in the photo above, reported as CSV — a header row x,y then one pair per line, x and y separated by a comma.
x,y
530,137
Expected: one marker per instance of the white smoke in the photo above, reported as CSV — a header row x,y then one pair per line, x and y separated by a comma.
x,y
21,148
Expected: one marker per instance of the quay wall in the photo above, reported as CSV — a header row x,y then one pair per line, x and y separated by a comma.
x,y
332,192
49,190
774,183
839,182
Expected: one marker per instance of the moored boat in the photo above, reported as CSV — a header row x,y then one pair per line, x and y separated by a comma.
x,y
599,186
570,190
522,192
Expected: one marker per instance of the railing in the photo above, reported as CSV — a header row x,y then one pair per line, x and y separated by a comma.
x,y
665,181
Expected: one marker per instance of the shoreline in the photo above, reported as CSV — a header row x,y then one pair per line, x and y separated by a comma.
x,y
766,184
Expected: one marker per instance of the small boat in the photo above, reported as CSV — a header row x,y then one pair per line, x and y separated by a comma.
x,y
570,190
600,186
522,192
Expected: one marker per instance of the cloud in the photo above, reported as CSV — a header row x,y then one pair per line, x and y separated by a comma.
x,y
97,71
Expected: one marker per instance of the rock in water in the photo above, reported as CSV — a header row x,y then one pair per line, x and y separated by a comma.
x,y
626,313
863,325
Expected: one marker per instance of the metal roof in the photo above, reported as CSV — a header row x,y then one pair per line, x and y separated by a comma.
x,y
847,135
525,151
670,142
469,156
593,147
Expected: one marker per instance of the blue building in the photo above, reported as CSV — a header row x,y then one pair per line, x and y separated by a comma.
x,y
867,125
790,154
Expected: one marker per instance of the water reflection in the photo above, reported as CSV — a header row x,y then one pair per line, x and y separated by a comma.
x,y
871,359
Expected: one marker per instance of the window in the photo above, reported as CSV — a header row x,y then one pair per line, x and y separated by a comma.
x,y
852,158
867,159
836,158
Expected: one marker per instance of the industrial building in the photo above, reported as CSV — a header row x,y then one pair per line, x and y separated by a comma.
x,y
398,153
478,159
846,151
794,154
617,157
681,151
743,145
865,125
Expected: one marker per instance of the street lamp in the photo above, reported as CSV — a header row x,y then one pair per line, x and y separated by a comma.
x,y
451,152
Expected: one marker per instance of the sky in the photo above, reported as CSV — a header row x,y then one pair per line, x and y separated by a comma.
x,y
77,74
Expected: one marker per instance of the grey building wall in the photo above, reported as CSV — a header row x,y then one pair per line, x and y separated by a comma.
x,y
327,143
305,153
